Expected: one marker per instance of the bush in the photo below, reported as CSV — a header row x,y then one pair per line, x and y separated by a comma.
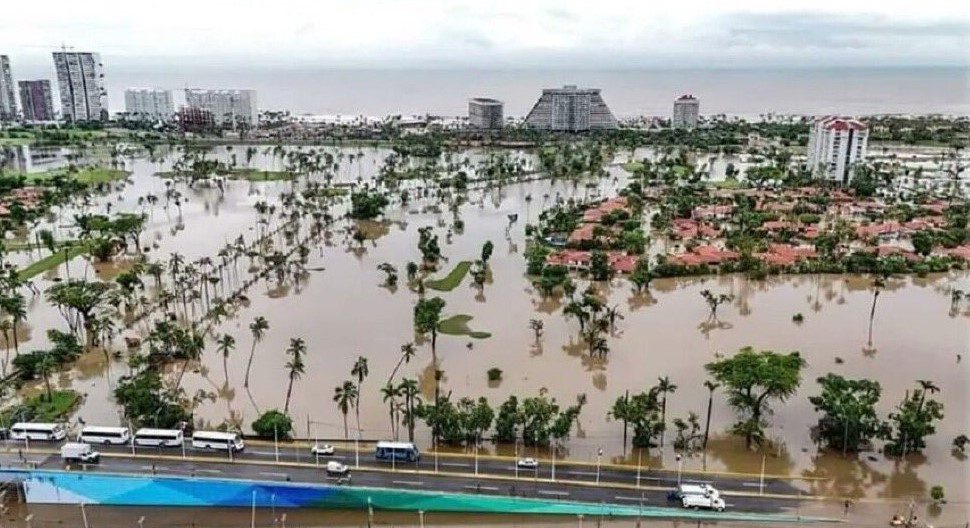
x,y
798,318
494,374
936,493
273,424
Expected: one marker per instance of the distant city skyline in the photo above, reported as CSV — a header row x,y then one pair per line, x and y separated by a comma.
x,y
502,33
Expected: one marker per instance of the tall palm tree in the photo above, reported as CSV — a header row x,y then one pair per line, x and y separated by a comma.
x,y
360,371
294,366
258,327
878,283
345,396
45,368
16,307
711,387
389,394
409,391
407,352
665,386
225,345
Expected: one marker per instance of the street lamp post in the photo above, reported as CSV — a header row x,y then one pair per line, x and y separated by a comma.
x,y
357,450
639,462
599,456
680,467
761,483
516,461
421,517
554,462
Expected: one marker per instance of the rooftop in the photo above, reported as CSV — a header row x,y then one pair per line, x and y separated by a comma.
x,y
486,100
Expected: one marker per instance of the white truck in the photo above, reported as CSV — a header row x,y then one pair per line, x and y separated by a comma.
x,y
79,452
337,469
711,501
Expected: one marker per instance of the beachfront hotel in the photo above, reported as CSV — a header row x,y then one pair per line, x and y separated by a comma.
x,y
835,145
36,100
228,107
571,109
149,104
486,113
687,109
80,79
8,105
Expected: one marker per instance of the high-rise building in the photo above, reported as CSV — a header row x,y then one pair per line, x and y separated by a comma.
x,y
80,79
485,113
835,146
686,111
571,109
36,100
228,107
149,104
8,104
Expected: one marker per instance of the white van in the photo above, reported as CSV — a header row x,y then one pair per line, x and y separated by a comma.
x,y
217,440
79,452
47,432
93,434
711,502
697,489
159,437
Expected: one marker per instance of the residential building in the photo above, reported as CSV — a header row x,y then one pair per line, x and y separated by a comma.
x,y
8,104
149,104
80,79
194,119
835,146
571,109
36,101
485,113
228,107
686,112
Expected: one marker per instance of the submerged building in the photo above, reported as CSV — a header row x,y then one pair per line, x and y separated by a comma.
x,y
835,146
571,109
487,113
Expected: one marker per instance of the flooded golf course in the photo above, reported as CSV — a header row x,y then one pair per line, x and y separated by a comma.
x,y
343,310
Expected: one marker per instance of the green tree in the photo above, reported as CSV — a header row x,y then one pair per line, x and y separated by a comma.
x,y
688,433
914,419
714,301
848,406
359,371
273,424
599,266
45,368
644,416
366,204
664,387
389,395
487,250
407,353
923,242
225,345
15,306
258,327
711,387
621,411
508,420
752,379
294,367
409,391
641,275
345,396
427,317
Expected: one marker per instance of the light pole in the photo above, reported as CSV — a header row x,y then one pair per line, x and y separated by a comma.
x,y
84,516
680,467
516,461
580,520
761,483
141,521
639,462
554,461
436,456
357,450
599,456
477,446
421,517
276,443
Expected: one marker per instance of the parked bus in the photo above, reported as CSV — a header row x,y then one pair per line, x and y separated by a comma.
x,y
92,434
159,437
217,440
48,432
405,451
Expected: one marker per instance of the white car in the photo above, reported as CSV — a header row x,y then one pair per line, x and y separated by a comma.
x,y
528,463
337,469
322,449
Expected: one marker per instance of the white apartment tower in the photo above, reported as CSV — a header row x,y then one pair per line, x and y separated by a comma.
x,y
687,109
149,104
835,145
80,79
485,113
571,109
8,105
228,107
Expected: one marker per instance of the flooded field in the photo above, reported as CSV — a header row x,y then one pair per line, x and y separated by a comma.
x,y
342,311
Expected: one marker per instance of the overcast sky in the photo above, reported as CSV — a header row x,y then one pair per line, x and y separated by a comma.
x,y
497,33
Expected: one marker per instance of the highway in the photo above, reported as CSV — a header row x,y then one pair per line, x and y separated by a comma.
x,y
455,473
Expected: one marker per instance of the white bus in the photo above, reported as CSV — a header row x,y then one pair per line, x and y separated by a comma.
x,y
405,451
48,432
158,437
93,434
217,440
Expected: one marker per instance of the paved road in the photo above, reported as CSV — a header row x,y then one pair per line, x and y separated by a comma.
x,y
573,481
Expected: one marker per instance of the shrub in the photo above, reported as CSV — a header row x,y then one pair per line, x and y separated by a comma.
x,y
494,374
273,424
936,493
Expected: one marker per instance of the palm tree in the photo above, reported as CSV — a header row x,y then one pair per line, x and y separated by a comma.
x,y
409,390
711,387
45,368
16,307
390,394
258,327
407,352
664,386
361,371
928,387
225,344
294,366
345,397
878,283
537,326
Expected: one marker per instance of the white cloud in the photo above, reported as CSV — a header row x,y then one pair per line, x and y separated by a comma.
x,y
499,32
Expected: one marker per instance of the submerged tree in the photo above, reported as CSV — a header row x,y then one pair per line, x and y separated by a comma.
x,y
345,396
258,327
295,367
715,301
914,419
849,421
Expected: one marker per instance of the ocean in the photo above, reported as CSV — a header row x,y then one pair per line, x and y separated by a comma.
x,y
747,93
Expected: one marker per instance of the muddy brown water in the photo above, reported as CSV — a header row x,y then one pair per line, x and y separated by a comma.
x,y
343,312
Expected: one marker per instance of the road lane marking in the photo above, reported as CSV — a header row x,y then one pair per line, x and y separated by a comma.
x,y
587,473
408,482
272,474
208,470
751,484
486,488
631,499
258,452
454,464
553,493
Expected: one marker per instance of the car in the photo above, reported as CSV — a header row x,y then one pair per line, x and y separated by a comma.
x,y
337,469
528,463
322,450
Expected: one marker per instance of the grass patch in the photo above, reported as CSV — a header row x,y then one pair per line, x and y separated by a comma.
x,y
38,409
50,261
726,184
260,175
633,166
458,325
452,280
90,175
16,140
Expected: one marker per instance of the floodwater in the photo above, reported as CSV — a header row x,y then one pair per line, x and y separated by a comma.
x,y
343,311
